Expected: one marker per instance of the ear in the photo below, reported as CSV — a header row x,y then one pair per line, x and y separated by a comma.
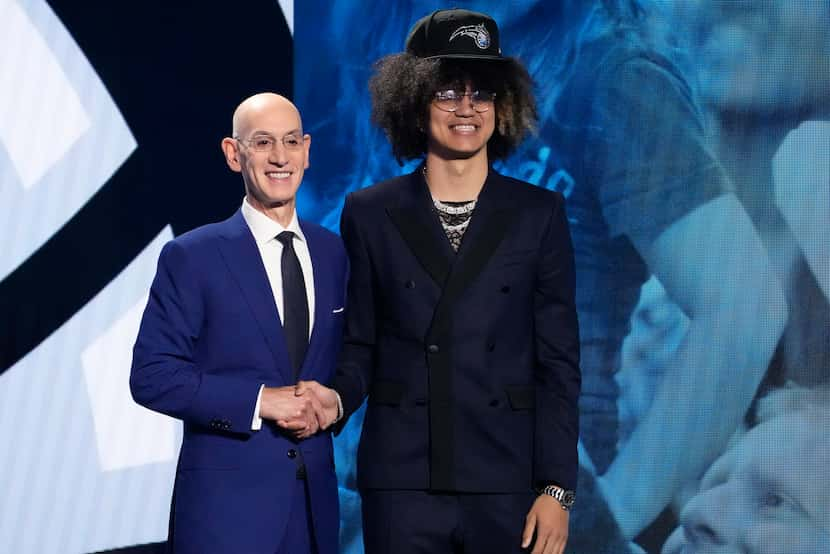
x,y
231,151
307,146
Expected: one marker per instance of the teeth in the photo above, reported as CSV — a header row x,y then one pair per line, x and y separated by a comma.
x,y
464,127
278,174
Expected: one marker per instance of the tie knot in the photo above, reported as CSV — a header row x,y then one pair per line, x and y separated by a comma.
x,y
286,238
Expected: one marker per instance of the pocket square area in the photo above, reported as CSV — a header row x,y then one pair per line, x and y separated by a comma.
x,y
337,310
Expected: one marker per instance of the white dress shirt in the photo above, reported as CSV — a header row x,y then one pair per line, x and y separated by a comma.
x,y
265,231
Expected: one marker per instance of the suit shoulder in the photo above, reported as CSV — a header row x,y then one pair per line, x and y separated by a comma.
x,y
198,236
326,236
200,239
190,243
379,193
529,194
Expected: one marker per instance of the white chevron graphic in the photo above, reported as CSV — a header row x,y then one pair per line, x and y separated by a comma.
x,y
35,138
61,134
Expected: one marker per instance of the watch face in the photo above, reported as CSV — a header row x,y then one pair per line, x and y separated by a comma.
x,y
568,498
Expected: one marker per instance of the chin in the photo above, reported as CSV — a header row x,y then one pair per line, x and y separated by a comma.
x,y
281,196
463,152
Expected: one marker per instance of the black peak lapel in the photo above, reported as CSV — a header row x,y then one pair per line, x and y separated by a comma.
x,y
492,218
239,250
418,224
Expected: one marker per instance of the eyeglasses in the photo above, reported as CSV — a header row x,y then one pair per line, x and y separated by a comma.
x,y
450,100
266,143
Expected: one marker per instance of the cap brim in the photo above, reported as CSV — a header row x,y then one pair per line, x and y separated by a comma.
x,y
468,57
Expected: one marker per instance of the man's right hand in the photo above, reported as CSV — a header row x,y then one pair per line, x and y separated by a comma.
x,y
290,411
325,401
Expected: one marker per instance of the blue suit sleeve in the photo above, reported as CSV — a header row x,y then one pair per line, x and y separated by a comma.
x,y
165,376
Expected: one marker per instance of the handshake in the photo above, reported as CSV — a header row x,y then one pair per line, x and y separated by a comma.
x,y
302,409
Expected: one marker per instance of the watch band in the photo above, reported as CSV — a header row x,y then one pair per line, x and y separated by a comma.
x,y
566,498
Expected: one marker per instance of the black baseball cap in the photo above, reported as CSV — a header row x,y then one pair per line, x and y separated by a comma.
x,y
455,33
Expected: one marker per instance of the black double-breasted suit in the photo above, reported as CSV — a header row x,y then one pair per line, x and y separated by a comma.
x,y
471,359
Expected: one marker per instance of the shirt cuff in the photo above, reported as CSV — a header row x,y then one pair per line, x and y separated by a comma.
x,y
339,408
256,422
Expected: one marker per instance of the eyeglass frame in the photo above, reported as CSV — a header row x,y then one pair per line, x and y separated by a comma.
x,y
273,140
460,96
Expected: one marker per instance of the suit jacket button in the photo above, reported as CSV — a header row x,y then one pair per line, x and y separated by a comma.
x,y
505,289
491,346
433,349
494,403
292,453
410,284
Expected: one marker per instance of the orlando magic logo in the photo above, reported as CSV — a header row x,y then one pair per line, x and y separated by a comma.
x,y
478,33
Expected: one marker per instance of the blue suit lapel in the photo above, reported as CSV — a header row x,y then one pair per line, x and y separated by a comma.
x,y
240,252
320,267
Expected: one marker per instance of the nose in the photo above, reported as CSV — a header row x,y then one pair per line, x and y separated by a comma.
x,y
465,106
278,155
707,517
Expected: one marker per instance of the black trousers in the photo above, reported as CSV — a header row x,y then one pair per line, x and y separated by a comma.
x,y
415,522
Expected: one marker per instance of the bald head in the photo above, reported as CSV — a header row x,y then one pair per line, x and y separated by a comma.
x,y
270,150
252,109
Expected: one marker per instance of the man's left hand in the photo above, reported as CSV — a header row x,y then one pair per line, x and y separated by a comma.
x,y
549,521
323,403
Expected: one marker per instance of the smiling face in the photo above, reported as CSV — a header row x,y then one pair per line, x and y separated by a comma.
x,y
768,495
462,133
273,175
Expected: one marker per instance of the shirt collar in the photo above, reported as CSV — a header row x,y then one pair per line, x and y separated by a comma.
x,y
264,228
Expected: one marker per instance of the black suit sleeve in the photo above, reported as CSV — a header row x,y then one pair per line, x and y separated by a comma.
x,y
557,371
357,356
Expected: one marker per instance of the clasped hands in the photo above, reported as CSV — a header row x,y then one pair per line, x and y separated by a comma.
x,y
302,409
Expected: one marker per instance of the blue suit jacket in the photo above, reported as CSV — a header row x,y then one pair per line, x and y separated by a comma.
x,y
210,336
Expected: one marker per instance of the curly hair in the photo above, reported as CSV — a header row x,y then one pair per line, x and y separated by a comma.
x,y
403,86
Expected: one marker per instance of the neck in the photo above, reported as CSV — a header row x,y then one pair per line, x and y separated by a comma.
x,y
456,180
282,213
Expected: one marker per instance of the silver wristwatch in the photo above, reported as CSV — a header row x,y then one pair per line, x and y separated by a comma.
x,y
565,497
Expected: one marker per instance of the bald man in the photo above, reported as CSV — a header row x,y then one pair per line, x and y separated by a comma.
x,y
239,312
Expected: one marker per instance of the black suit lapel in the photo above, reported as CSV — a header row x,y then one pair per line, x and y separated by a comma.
x,y
492,218
418,224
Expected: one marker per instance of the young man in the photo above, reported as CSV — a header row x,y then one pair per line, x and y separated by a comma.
x,y
238,312
461,326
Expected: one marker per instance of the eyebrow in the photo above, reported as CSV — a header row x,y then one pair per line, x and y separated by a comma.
x,y
291,132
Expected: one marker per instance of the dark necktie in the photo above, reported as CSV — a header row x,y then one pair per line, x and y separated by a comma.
x,y
295,303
